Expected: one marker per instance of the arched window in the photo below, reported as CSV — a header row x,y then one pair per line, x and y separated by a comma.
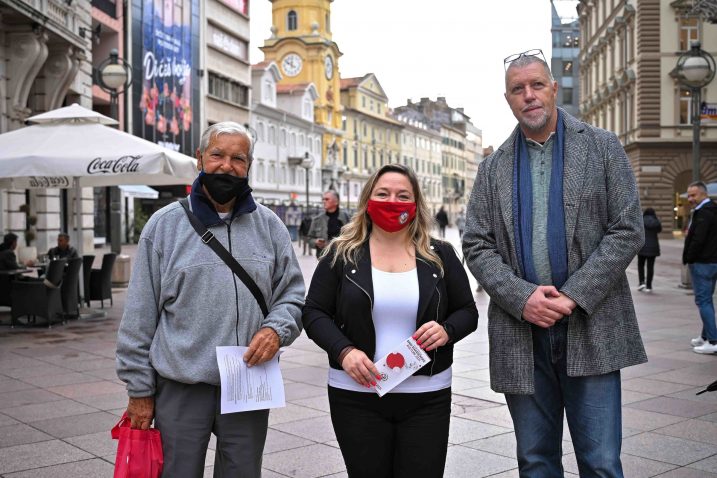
x,y
291,20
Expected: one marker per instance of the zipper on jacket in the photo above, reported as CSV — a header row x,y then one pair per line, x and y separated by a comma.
x,y
438,306
364,290
234,280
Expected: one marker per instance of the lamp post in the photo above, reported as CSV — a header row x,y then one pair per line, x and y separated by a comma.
x,y
694,70
307,164
114,75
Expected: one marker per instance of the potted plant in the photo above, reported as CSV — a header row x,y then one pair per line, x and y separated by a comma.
x,y
28,253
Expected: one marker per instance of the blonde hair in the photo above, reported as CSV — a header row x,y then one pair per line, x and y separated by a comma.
x,y
347,245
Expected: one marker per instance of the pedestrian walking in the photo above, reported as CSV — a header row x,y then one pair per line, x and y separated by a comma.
x,y
184,300
442,221
383,280
553,222
700,254
461,223
651,249
304,229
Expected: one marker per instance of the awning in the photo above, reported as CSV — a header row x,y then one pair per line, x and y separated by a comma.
x,y
139,191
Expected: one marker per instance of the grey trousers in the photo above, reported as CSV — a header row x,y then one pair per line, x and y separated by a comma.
x,y
187,415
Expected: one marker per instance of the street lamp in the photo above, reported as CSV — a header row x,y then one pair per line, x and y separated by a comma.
x,y
306,162
694,70
114,75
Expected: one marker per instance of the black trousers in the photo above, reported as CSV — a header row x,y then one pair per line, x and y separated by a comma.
x,y
641,261
187,415
395,436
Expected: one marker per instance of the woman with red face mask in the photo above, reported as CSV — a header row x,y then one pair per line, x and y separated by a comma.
x,y
383,280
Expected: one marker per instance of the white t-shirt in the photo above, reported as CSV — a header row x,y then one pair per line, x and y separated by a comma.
x,y
395,307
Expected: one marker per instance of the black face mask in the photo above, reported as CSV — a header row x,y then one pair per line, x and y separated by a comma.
x,y
225,187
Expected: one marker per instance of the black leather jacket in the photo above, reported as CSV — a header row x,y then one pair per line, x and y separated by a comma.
x,y
338,308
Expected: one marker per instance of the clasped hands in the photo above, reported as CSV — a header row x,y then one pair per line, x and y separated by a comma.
x,y
263,347
358,366
546,306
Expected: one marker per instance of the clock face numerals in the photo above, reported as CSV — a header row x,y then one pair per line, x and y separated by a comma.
x,y
329,67
291,64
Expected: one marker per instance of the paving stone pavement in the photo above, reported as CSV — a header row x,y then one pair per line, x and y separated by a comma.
x,y
59,397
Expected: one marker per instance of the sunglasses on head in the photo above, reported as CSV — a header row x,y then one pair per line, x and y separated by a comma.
x,y
534,52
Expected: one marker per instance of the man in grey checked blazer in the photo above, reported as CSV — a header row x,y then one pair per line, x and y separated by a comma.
x,y
556,349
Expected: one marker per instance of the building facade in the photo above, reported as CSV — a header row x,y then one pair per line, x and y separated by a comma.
x,y
453,125
301,45
421,150
224,58
566,60
287,151
45,63
372,137
628,54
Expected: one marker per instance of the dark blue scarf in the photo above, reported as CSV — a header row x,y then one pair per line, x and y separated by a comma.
x,y
523,210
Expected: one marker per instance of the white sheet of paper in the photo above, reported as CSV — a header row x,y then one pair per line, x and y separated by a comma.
x,y
399,364
248,388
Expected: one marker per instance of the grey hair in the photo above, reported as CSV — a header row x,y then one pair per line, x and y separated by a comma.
x,y
524,61
226,127
698,185
334,193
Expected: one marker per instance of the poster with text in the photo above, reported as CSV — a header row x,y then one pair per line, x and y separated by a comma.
x,y
166,51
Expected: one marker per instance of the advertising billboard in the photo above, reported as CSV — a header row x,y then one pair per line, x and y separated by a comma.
x,y
165,48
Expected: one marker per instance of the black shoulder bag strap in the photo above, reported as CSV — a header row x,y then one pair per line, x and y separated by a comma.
x,y
209,239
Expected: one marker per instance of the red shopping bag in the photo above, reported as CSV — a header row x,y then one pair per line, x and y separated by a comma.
x,y
139,452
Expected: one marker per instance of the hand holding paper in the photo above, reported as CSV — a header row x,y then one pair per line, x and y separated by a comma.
x,y
398,365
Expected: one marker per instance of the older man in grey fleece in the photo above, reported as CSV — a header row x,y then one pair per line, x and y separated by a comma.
x,y
184,301
553,222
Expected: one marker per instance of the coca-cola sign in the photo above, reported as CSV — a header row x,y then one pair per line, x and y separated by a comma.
x,y
49,182
123,164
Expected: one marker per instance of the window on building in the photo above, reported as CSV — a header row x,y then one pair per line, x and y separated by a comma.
x,y
308,112
371,105
346,155
567,96
689,32
228,90
365,131
363,101
343,123
292,20
268,92
685,107
378,106
272,134
567,68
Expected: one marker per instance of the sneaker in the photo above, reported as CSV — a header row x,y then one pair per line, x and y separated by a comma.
x,y
649,291
697,341
706,348
641,287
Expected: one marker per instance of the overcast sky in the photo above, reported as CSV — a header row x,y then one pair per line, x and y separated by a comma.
x,y
451,48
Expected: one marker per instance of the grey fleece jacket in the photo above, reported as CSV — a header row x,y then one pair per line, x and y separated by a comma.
x,y
183,300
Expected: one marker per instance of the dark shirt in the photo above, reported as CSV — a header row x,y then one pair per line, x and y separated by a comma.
x,y
69,253
700,243
334,225
8,260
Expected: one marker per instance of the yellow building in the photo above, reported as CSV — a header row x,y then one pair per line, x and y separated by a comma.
x,y
302,46
371,137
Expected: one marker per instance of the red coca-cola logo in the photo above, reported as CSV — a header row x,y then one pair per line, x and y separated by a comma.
x,y
123,164
395,360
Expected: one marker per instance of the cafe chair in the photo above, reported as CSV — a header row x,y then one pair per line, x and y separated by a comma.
x,y
87,262
5,288
70,289
39,297
101,280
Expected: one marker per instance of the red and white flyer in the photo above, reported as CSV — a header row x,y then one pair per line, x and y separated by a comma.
x,y
399,364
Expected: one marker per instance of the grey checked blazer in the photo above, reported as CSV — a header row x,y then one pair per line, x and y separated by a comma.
x,y
603,227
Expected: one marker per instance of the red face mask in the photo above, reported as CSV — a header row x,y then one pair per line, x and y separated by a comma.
x,y
391,216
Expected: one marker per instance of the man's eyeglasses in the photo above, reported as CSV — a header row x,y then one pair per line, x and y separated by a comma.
x,y
534,52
